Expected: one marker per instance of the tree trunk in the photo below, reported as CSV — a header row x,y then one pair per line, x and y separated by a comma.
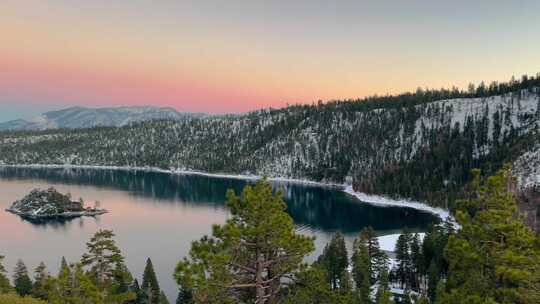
x,y
260,294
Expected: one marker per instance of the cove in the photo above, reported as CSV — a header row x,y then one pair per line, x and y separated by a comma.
x,y
157,215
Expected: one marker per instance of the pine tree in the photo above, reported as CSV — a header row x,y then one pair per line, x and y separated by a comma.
x,y
247,257
105,266
102,258
5,286
150,285
335,260
184,296
383,296
21,279
40,277
63,265
494,257
362,269
163,298
416,262
135,289
73,286
432,281
403,259
378,258
310,287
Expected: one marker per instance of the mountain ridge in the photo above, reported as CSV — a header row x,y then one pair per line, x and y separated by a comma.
x,y
86,117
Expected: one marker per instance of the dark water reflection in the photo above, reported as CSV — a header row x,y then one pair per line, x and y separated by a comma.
x,y
157,215
325,208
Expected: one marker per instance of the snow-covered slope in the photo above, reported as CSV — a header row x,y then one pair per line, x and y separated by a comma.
x,y
527,169
81,117
415,150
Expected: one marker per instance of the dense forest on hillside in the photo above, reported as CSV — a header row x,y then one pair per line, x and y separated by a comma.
x,y
419,145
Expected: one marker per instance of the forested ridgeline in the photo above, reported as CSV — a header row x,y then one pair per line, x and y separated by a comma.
x,y
418,145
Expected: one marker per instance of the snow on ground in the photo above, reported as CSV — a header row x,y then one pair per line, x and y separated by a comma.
x,y
527,168
388,242
385,201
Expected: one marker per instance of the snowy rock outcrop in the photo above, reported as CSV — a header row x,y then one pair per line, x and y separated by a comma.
x,y
526,169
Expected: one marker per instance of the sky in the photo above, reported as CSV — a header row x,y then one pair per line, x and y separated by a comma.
x,y
236,56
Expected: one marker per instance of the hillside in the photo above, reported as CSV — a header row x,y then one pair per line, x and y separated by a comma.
x,y
81,117
408,146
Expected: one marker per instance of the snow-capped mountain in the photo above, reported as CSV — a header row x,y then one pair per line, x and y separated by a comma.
x,y
81,117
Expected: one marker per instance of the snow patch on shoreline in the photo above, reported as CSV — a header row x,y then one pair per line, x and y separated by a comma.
x,y
388,202
388,242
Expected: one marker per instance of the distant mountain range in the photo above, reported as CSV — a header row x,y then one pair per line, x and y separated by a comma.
x,y
81,117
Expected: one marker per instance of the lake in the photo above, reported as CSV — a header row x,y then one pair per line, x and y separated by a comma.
x,y
157,215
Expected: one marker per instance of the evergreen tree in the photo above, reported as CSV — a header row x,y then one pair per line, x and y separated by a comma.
x,y
416,262
150,285
163,298
378,259
184,296
73,286
248,257
383,296
494,257
40,277
403,259
63,265
361,263
335,260
102,258
310,287
21,279
432,281
5,286
139,294
105,266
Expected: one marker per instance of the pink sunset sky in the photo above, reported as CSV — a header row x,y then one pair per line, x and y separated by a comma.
x,y
236,56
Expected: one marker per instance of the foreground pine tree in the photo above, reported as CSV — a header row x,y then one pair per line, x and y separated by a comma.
x,y
248,257
21,279
494,257
105,266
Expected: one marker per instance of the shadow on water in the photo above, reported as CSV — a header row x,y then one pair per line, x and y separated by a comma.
x,y
319,207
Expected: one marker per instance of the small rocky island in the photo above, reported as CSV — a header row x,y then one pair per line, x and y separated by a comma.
x,y
51,204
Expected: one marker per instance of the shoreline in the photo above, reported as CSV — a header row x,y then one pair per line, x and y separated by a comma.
x,y
177,172
377,200
65,215
383,201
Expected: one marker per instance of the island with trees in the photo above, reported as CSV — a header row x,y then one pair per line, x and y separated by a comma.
x,y
50,204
